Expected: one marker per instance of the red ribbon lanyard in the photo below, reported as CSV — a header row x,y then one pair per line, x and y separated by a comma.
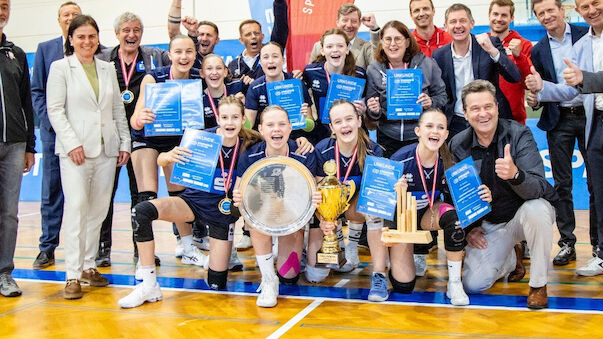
x,y
233,161
327,75
127,74
350,164
212,103
435,175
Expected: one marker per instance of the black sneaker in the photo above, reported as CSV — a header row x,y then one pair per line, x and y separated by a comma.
x,y
103,258
565,255
595,250
43,260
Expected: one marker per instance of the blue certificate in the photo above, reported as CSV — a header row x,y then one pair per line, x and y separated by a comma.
x,y
191,96
403,89
341,87
164,100
198,173
463,181
288,94
377,195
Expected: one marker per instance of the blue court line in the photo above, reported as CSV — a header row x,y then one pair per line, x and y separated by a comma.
x,y
492,300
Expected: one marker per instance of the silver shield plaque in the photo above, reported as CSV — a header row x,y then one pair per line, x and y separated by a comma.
x,y
277,195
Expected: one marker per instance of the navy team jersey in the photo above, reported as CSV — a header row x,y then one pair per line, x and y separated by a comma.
x,y
205,204
406,155
258,152
257,96
161,74
232,87
325,151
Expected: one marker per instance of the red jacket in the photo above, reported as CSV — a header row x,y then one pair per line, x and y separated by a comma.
x,y
439,38
515,93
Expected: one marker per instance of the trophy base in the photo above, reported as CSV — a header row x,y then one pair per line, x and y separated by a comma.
x,y
396,237
330,260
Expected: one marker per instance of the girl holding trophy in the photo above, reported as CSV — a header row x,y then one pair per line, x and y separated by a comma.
x,y
275,127
347,150
423,176
194,205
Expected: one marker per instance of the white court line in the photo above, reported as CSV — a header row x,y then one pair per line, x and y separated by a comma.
x,y
27,215
297,318
359,301
342,282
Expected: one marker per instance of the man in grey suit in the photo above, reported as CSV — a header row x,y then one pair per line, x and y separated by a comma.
x,y
349,19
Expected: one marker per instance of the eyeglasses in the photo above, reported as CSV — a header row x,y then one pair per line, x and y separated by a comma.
x,y
397,40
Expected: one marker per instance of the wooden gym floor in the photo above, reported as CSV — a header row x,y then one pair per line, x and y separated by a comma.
x,y
334,309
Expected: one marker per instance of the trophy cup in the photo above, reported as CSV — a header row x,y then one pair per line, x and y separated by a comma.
x,y
406,231
335,200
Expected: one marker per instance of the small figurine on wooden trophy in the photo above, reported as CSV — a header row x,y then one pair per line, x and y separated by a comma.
x,y
406,213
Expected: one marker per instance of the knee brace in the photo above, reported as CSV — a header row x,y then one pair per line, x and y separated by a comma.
x,y
454,235
143,215
216,280
288,281
402,287
146,196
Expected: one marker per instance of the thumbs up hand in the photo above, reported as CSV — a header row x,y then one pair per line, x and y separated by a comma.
x,y
534,81
505,167
572,74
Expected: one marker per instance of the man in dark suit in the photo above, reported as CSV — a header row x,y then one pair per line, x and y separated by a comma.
x,y
51,207
467,58
564,122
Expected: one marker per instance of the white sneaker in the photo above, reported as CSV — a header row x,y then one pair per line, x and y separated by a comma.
x,y
179,249
351,260
316,275
420,264
202,243
140,295
244,243
592,268
194,256
269,292
235,263
457,294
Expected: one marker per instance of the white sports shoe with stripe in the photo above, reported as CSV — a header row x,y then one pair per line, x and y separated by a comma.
x,y
592,268
194,256
140,295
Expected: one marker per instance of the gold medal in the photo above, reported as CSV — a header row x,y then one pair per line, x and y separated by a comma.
x,y
330,167
224,206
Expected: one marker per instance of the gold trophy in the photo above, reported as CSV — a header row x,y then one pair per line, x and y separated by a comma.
x,y
335,200
406,231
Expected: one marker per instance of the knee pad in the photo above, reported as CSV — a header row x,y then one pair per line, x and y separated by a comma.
x,y
175,193
143,215
217,280
402,287
146,196
288,281
454,235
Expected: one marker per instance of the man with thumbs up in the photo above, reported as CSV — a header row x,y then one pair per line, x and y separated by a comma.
x,y
508,162
587,54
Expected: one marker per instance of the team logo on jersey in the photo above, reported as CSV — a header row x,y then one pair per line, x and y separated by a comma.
x,y
315,84
263,100
409,177
208,111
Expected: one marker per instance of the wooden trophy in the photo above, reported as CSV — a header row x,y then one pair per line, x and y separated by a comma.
x,y
406,231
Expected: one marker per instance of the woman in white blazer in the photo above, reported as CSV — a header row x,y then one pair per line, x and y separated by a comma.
x,y
87,114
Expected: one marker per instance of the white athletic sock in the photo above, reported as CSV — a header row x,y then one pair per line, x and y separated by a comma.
x,y
454,270
354,232
266,263
149,277
187,243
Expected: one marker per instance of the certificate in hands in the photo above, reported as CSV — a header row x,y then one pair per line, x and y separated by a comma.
x,y
377,195
463,181
198,173
288,94
341,87
191,96
165,102
403,89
